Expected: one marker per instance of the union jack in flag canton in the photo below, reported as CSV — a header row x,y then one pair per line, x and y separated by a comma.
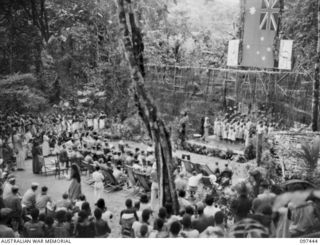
x,y
261,20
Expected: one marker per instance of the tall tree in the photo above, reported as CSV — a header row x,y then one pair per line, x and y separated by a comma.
x,y
147,110
316,83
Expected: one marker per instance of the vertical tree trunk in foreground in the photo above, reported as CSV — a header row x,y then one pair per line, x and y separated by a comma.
x,y
316,83
147,110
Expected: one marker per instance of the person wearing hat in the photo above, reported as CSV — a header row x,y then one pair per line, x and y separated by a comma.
x,y
5,231
29,198
14,203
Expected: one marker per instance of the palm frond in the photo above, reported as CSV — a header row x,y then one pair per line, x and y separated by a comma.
x,y
310,153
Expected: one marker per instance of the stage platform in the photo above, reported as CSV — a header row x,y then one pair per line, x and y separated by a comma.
x,y
214,143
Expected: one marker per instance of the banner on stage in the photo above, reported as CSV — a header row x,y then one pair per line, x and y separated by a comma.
x,y
233,53
285,55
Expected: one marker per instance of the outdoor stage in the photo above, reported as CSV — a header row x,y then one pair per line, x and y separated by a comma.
x,y
214,143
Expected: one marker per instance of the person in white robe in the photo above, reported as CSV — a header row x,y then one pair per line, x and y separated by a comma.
x,y
206,126
21,153
98,179
90,123
101,123
45,146
28,138
95,123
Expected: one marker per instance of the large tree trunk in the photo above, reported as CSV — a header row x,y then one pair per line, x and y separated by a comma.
x,y
133,48
315,101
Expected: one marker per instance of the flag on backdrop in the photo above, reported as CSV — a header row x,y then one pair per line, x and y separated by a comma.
x,y
261,19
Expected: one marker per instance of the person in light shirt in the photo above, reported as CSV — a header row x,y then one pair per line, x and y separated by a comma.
x,y
211,209
193,182
98,178
180,182
118,174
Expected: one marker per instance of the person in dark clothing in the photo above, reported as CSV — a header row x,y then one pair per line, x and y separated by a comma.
x,y
36,161
63,156
202,222
256,180
202,126
241,206
14,203
60,228
1,199
84,228
129,210
49,229
35,227
127,217
261,212
102,228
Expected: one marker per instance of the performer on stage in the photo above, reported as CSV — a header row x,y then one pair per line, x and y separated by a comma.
x,y
206,126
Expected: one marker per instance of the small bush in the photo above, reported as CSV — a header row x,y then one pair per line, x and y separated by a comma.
x,y
250,152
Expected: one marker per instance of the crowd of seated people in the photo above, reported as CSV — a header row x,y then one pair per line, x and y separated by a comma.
x,y
35,214
249,212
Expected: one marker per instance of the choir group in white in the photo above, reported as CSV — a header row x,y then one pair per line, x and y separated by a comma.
x,y
238,131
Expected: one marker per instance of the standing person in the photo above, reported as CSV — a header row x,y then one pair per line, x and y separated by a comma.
x,y
21,153
206,127
74,190
202,126
14,141
45,146
36,158
63,157
154,189
28,138
183,129
98,179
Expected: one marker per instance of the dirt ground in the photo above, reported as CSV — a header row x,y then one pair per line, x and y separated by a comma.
x,y
115,200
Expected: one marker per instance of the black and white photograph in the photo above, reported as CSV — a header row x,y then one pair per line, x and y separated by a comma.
x,y
159,119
